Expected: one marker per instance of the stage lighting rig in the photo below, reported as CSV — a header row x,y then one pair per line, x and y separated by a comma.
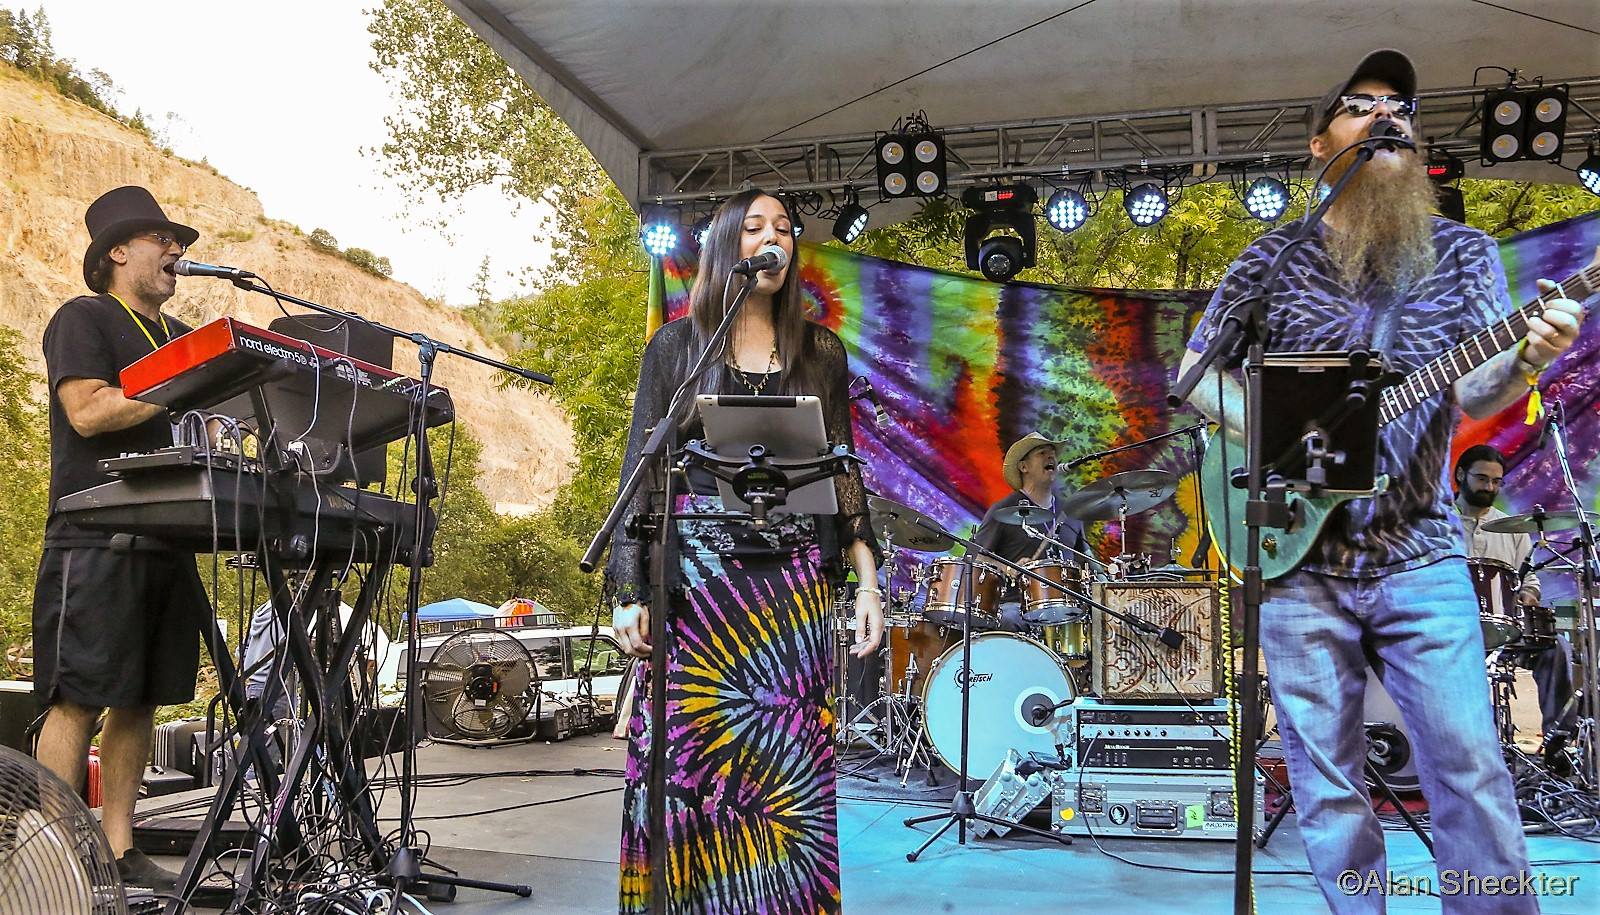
x,y
1007,206
659,232
1589,170
1267,199
1069,208
697,232
1522,124
911,159
1444,168
1146,204
852,219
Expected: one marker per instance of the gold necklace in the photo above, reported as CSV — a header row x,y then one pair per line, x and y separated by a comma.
x,y
744,377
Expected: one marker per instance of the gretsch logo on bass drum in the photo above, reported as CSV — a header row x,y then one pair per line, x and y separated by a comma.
x,y
979,677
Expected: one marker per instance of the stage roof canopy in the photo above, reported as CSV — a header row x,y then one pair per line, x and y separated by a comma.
x,y
637,80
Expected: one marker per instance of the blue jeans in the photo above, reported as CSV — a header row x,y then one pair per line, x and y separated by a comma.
x,y
1421,626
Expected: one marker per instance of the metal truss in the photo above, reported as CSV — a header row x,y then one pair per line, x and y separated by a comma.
x,y
1181,144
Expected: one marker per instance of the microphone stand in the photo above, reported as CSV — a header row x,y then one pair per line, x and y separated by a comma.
x,y
1197,435
404,866
655,461
1244,326
1584,621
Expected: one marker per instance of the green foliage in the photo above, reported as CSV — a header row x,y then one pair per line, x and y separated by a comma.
x,y
465,120
366,260
323,239
24,488
25,43
1504,208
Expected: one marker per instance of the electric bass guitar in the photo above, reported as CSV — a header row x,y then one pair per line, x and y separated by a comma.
x,y
1283,549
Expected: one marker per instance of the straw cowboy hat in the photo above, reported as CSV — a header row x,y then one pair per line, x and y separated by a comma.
x,y
1019,451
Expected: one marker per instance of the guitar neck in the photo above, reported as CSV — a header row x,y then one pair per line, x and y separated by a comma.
x,y
1479,348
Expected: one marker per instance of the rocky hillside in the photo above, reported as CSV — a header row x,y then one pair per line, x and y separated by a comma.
x,y
57,155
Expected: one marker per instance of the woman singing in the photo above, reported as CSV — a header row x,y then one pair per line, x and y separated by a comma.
x,y
751,815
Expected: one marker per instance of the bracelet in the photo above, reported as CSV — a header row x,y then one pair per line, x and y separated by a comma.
x,y
1530,374
877,591
1528,368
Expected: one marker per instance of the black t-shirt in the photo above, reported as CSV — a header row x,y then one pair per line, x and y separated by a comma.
x,y
94,337
1015,544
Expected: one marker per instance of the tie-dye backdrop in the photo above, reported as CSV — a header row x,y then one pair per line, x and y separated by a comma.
x,y
964,367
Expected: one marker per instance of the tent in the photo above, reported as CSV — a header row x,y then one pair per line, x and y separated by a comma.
x,y
636,79
454,608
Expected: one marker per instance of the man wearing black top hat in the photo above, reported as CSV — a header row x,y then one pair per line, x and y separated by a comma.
x,y
113,629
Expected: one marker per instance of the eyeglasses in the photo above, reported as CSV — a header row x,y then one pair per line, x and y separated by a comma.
x,y
164,239
1483,479
1362,104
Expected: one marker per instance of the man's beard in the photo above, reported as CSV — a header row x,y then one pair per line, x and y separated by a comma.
x,y
1477,498
1385,219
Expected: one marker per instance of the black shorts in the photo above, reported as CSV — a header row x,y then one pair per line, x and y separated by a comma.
x,y
117,629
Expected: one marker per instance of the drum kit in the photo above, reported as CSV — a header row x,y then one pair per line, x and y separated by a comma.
x,y
916,716
1512,629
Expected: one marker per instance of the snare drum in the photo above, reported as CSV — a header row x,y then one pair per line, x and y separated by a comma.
x,y
1495,584
946,597
1537,627
1044,605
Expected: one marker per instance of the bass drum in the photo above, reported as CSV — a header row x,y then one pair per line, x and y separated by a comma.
x,y
1011,675
1389,746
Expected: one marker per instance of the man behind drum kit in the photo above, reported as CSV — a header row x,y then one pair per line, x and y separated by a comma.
x,y
1479,474
1030,469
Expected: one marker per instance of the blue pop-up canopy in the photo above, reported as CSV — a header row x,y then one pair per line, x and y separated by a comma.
x,y
454,608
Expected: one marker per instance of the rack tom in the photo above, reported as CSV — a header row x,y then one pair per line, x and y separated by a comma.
x,y
947,599
1495,585
1044,605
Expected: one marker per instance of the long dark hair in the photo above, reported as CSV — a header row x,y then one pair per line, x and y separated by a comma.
x,y
718,253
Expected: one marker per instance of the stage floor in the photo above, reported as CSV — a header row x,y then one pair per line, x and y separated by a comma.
x,y
566,849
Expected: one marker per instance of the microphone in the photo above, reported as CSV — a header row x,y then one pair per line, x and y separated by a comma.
x,y
769,259
194,268
1392,135
1037,707
870,394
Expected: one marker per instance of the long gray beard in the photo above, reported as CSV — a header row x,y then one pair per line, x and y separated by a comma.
x,y
1386,225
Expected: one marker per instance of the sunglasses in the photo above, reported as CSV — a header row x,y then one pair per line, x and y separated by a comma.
x,y
1361,105
164,239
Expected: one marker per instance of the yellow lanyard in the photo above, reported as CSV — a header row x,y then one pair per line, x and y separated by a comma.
x,y
140,324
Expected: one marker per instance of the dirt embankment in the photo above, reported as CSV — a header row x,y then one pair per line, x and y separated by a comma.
x,y
57,155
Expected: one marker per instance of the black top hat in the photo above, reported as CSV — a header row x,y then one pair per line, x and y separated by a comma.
x,y
118,216
1386,64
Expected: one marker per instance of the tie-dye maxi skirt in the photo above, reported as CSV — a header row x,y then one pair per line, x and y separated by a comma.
x,y
752,823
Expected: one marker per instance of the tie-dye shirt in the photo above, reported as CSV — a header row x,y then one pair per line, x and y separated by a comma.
x,y
1410,525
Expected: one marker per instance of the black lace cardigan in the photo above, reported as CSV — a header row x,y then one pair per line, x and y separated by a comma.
x,y
666,362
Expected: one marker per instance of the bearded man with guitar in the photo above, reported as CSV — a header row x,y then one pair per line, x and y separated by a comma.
x,y
1384,582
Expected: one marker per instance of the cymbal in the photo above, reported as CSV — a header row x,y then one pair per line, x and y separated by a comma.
x,y
1103,499
1532,522
1026,513
898,524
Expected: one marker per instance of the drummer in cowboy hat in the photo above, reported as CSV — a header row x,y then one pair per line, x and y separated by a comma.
x,y
113,630
1030,468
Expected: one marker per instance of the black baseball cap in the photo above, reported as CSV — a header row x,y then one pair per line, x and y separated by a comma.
x,y
1386,64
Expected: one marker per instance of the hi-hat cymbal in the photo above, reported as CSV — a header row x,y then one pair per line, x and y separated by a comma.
x,y
1532,522
1104,498
898,524
1025,513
